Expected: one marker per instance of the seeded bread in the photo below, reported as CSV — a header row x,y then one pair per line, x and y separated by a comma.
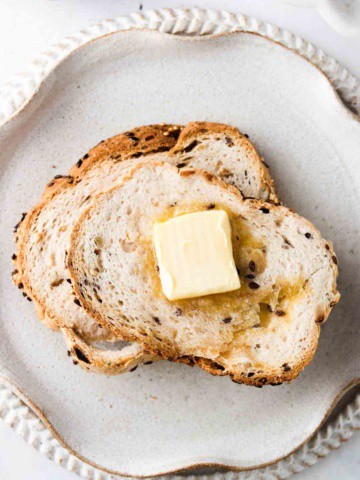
x,y
265,332
42,236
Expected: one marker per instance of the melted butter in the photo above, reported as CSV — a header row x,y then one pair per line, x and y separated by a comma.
x,y
246,246
284,296
264,315
247,307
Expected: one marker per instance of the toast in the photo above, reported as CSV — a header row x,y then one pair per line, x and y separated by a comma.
x,y
42,236
263,333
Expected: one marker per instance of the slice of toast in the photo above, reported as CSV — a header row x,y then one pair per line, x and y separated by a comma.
x,y
43,235
265,332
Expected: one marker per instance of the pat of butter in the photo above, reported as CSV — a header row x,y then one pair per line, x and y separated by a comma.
x,y
194,254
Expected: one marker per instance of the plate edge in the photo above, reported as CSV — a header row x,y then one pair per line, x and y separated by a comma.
x,y
17,92
28,421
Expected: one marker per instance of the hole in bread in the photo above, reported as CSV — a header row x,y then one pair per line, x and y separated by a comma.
x,y
98,254
56,283
287,242
265,314
99,241
218,165
81,355
104,345
52,259
229,142
191,146
128,247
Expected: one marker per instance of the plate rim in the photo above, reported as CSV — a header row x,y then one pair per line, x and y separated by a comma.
x,y
19,411
196,22
30,422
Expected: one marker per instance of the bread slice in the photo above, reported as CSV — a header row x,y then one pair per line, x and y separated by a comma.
x,y
265,332
43,235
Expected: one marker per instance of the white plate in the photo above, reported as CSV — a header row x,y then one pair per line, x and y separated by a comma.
x,y
168,417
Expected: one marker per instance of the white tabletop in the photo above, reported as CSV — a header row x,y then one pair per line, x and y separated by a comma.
x,y
27,27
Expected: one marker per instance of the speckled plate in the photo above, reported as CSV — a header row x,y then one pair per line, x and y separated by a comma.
x,y
167,417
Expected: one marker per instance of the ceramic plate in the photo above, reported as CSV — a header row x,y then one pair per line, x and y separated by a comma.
x,y
167,417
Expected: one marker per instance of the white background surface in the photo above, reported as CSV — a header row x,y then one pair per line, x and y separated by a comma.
x,y
27,27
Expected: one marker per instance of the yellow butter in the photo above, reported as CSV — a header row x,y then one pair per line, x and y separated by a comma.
x,y
194,254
